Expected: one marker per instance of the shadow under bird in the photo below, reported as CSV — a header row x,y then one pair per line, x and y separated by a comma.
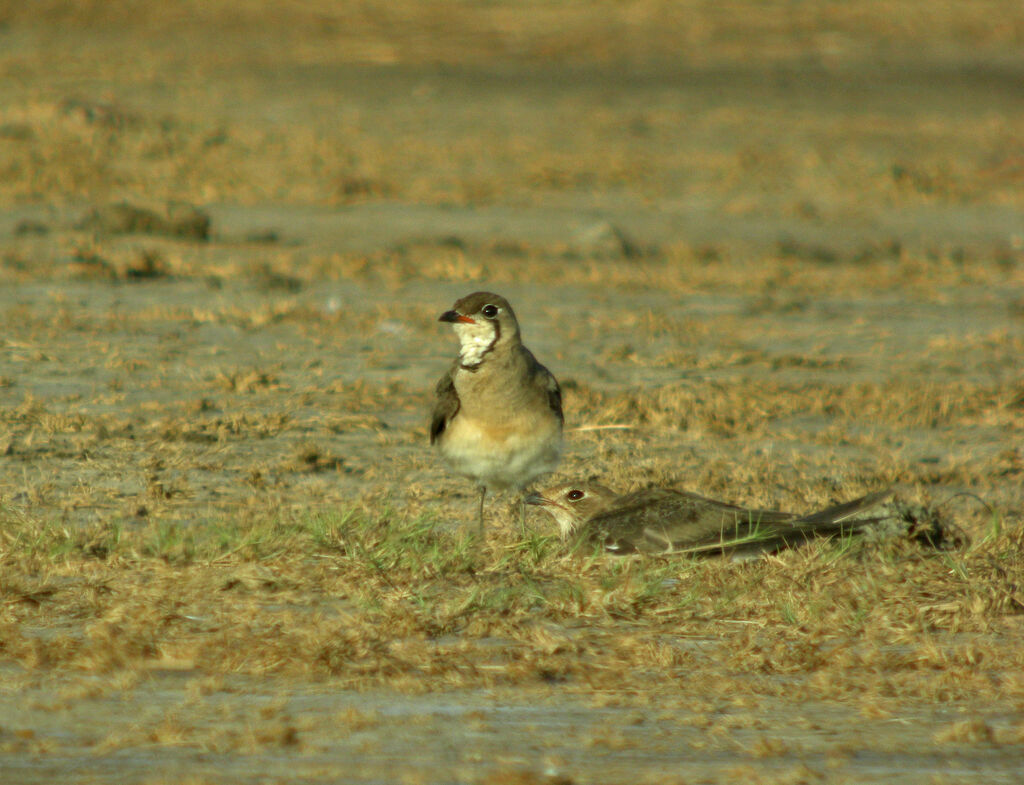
x,y
498,412
663,520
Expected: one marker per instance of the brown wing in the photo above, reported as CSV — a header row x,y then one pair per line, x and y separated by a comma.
x,y
445,407
660,519
554,394
543,377
664,520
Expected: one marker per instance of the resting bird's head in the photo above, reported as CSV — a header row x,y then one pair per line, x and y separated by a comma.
x,y
573,503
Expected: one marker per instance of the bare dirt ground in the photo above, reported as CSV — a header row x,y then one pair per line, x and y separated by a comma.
x,y
781,246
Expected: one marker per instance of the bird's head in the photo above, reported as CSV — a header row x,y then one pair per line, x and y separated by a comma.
x,y
482,320
573,503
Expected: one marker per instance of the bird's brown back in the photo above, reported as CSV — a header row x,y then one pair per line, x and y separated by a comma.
x,y
660,520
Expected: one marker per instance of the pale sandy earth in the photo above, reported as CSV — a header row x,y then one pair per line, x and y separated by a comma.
x,y
668,226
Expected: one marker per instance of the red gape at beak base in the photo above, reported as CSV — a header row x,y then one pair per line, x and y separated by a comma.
x,y
455,316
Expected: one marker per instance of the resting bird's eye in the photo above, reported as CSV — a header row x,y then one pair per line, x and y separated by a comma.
x,y
490,311
574,496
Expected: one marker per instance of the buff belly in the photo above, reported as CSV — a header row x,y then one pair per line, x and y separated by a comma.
x,y
502,457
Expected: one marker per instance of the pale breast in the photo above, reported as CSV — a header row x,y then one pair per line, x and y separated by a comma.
x,y
508,454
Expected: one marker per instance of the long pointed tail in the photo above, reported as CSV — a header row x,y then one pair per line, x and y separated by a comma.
x,y
840,519
841,512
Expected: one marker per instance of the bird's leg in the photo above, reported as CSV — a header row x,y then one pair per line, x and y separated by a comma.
x,y
480,519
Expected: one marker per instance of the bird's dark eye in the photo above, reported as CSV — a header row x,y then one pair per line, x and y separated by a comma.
x,y
574,496
490,311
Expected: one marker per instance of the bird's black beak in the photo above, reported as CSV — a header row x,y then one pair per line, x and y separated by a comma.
x,y
536,500
454,316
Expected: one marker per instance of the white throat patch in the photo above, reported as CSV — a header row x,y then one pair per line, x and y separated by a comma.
x,y
476,339
567,523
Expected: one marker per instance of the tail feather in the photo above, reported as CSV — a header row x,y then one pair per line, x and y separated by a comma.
x,y
841,512
837,520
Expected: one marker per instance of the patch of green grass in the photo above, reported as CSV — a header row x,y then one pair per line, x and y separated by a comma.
x,y
535,548
326,530
249,539
789,614
393,543
994,528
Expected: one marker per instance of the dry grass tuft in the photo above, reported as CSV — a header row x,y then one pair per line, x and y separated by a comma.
x,y
391,600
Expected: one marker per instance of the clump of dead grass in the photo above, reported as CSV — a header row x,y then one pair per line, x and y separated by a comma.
x,y
386,599
729,410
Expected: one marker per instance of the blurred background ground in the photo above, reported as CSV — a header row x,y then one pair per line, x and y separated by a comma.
x,y
782,242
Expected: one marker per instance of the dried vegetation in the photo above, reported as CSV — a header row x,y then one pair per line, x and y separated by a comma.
x,y
212,452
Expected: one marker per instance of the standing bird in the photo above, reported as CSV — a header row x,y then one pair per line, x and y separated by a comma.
x,y
498,414
662,520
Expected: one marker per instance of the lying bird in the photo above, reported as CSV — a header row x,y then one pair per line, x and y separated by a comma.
x,y
662,520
